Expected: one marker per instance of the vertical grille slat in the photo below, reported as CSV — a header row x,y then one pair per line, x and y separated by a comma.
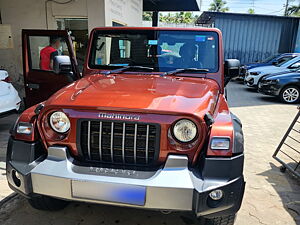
x,y
123,143
147,143
119,142
89,140
112,142
100,140
134,143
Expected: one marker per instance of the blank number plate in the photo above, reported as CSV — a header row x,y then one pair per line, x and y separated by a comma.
x,y
121,193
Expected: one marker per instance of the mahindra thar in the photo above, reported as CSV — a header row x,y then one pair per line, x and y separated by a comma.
x,y
146,124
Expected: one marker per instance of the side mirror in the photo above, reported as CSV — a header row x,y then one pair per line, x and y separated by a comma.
x,y
274,63
62,65
231,69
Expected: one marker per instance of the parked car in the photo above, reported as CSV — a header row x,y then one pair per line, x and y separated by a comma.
x,y
9,98
133,131
254,76
286,86
272,60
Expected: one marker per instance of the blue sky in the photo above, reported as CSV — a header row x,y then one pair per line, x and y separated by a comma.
x,y
271,7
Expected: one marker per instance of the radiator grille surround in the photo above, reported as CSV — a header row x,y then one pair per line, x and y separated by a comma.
x,y
118,142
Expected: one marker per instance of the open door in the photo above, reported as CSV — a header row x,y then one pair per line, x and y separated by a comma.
x,y
39,47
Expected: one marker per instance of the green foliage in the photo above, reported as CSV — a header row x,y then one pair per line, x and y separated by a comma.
x,y
293,10
251,11
218,6
147,16
181,17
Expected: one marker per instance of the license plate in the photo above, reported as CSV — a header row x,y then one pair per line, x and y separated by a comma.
x,y
109,192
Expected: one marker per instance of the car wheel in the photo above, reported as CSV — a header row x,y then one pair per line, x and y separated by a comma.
x,y
222,220
47,203
290,94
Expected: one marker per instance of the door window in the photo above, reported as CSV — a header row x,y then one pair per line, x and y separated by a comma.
x,y
43,49
295,65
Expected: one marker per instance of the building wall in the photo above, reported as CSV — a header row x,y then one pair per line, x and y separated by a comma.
x,y
253,38
42,14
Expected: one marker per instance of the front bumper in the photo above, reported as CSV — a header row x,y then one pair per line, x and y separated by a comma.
x,y
173,187
269,89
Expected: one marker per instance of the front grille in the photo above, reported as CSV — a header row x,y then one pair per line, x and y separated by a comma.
x,y
116,142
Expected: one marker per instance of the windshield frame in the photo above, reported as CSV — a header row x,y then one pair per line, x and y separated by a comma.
x,y
98,31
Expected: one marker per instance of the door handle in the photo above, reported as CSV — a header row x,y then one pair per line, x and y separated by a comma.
x,y
33,86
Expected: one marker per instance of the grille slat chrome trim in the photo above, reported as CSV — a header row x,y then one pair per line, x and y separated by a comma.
x,y
100,140
89,139
112,142
147,143
134,144
123,143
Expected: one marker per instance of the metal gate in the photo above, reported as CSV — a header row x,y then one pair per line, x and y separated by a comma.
x,y
288,151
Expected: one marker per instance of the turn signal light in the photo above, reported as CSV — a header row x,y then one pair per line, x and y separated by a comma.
x,y
7,80
24,128
220,143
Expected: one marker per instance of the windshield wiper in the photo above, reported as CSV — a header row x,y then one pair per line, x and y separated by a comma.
x,y
125,68
174,72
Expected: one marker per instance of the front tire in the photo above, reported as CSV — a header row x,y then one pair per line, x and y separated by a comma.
x,y
47,203
290,94
222,220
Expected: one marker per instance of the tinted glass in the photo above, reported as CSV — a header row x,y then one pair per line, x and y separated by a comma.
x,y
161,50
283,60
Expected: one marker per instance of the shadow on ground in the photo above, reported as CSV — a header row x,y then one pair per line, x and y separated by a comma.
x,y
87,214
287,187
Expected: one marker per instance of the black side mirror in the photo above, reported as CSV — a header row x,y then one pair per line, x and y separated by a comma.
x,y
231,69
62,65
274,63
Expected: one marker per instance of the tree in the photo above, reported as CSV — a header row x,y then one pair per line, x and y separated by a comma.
x,y
251,11
218,6
147,16
181,17
293,10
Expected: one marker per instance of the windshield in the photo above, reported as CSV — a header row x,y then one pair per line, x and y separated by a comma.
x,y
161,50
284,60
269,59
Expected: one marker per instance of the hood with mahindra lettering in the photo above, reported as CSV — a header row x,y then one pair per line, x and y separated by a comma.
x,y
139,93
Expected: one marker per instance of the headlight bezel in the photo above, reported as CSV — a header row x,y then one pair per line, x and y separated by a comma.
x,y
181,141
54,128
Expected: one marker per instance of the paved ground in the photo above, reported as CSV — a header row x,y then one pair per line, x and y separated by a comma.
x,y
270,198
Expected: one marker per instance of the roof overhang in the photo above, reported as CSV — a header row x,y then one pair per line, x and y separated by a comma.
x,y
174,5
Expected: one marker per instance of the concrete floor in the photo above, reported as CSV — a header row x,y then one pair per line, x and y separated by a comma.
x,y
270,198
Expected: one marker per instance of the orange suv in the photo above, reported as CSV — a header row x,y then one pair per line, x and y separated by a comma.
x,y
145,125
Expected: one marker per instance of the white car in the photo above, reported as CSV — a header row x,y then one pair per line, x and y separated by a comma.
x,y
9,98
255,75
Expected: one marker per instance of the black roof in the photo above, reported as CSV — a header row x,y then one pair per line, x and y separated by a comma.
x,y
171,5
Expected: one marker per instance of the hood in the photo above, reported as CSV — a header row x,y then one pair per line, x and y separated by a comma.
x,y
268,69
287,74
138,93
253,65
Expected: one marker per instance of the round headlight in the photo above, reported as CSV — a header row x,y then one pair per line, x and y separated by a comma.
x,y
59,122
185,130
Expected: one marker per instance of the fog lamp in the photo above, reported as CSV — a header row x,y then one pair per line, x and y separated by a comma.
x,y
216,194
24,128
